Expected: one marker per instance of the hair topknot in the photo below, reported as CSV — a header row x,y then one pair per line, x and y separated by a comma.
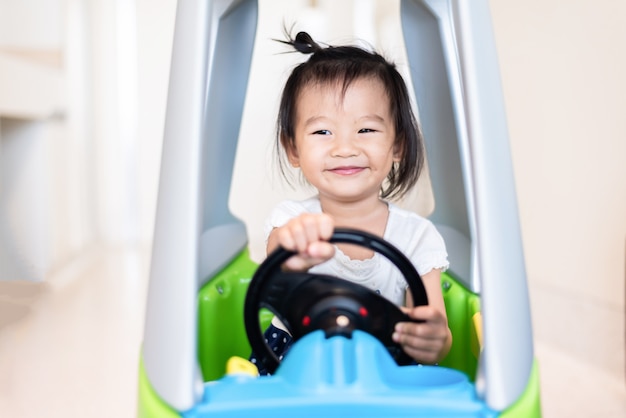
x,y
302,42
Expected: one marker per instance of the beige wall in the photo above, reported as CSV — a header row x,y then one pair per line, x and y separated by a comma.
x,y
40,184
563,67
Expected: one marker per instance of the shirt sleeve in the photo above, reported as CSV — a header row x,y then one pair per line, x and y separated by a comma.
x,y
419,239
431,252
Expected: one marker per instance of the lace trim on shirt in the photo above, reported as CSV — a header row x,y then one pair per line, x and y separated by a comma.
x,y
356,267
431,261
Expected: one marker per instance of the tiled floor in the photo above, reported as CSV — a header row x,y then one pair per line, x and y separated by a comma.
x,y
69,347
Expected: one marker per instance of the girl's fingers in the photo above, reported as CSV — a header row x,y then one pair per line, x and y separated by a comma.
x,y
300,232
310,230
424,356
285,239
308,236
426,313
424,350
326,226
321,250
422,341
418,334
301,263
299,235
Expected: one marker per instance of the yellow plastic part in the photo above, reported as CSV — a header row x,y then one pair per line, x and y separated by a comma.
x,y
477,336
239,365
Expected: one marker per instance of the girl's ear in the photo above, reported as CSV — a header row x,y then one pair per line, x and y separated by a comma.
x,y
292,156
397,152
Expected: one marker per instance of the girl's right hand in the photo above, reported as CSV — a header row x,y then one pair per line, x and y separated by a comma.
x,y
308,236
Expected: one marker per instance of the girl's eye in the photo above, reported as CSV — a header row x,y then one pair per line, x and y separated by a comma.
x,y
322,132
366,130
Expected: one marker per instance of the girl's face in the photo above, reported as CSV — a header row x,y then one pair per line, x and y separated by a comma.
x,y
344,145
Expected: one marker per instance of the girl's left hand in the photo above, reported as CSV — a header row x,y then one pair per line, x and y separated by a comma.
x,y
426,342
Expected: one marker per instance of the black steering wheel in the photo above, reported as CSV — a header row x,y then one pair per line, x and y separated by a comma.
x,y
306,302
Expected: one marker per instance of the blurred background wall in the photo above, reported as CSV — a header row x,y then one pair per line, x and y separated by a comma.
x,y
83,86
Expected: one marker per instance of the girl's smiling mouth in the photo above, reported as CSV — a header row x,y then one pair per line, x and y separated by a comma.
x,y
346,170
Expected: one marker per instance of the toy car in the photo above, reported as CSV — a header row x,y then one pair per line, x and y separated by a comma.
x,y
199,321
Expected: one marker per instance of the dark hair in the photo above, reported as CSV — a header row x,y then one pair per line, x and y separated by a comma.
x,y
344,65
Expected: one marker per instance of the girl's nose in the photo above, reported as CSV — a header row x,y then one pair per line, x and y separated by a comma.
x,y
344,146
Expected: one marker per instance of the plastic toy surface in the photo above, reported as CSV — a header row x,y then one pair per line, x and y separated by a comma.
x,y
340,376
201,270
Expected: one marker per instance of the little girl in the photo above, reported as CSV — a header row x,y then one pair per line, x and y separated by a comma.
x,y
345,120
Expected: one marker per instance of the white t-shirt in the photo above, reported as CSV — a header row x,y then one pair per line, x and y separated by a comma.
x,y
413,235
